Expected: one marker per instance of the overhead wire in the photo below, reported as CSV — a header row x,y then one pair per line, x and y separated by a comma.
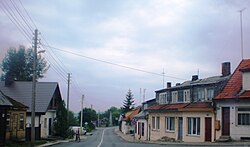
x,y
116,64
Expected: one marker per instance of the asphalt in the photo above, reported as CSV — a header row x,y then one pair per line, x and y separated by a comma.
x,y
51,143
131,139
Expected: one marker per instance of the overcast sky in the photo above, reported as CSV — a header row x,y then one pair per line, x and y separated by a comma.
x,y
180,36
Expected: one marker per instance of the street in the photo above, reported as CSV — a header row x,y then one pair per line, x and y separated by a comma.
x,y
108,138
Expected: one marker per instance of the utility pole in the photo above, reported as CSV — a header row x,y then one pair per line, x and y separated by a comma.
x,y
33,103
110,119
68,97
241,33
82,113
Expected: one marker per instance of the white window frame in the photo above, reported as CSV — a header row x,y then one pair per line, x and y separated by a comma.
x,y
194,124
163,98
170,124
153,122
245,113
186,95
201,94
174,96
210,94
158,122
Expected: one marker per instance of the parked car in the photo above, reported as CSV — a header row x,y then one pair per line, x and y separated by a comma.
x,y
76,128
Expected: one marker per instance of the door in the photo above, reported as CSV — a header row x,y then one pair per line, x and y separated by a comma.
x,y
180,129
208,129
226,121
50,126
14,127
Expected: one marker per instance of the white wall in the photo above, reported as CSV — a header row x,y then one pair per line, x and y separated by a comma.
x,y
246,81
28,121
45,130
236,131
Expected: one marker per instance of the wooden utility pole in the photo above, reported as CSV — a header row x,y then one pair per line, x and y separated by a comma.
x,y
82,113
33,103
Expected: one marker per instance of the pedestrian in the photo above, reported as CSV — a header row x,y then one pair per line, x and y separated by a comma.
x,y
78,135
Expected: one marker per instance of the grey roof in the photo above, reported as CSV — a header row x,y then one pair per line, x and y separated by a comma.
x,y
205,81
21,91
4,100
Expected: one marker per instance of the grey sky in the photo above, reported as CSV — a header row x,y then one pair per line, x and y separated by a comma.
x,y
180,36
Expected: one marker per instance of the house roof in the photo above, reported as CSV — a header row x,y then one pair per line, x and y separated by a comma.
x,y
9,102
205,81
234,85
21,91
182,106
132,114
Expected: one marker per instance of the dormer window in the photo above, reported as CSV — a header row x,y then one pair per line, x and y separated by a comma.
x,y
187,95
245,77
174,96
163,98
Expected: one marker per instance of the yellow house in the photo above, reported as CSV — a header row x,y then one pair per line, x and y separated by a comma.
x,y
13,119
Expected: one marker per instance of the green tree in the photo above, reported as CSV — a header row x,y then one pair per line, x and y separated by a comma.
x,y
73,121
61,126
128,103
18,65
89,116
115,115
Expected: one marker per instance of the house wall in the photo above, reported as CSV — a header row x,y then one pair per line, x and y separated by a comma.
x,y
197,138
28,121
45,125
236,131
15,132
158,134
137,135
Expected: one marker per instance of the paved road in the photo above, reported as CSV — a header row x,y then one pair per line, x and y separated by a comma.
x,y
107,138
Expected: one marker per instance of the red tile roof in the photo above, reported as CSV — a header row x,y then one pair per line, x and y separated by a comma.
x,y
132,115
199,105
234,85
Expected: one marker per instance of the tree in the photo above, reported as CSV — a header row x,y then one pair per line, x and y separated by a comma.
x,y
89,116
115,115
18,65
73,121
128,103
61,126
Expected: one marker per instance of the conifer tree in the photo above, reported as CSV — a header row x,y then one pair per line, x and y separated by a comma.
x,y
128,103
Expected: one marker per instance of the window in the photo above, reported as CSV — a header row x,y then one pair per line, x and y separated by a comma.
x,y
21,121
201,94
8,121
194,125
243,116
186,95
169,123
45,123
158,123
153,122
174,96
210,94
162,98
180,96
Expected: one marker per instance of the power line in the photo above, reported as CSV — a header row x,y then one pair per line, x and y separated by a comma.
x,y
115,64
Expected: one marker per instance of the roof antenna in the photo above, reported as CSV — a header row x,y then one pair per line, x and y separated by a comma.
x,y
241,32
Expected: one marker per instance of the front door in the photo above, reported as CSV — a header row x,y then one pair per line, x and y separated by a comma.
x,y
50,126
226,121
14,127
208,129
180,129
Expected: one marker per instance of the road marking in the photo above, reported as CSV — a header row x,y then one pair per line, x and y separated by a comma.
x,y
102,138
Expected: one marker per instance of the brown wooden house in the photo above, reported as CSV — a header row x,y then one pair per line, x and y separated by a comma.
x,y
12,119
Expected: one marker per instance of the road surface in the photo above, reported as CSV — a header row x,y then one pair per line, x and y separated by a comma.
x,y
106,137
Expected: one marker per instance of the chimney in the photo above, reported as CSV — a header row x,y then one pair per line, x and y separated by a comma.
x,y
168,84
177,84
195,77
8,80
226,69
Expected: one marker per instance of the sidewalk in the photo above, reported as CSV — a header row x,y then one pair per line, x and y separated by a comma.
x,y
50,143
129,138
